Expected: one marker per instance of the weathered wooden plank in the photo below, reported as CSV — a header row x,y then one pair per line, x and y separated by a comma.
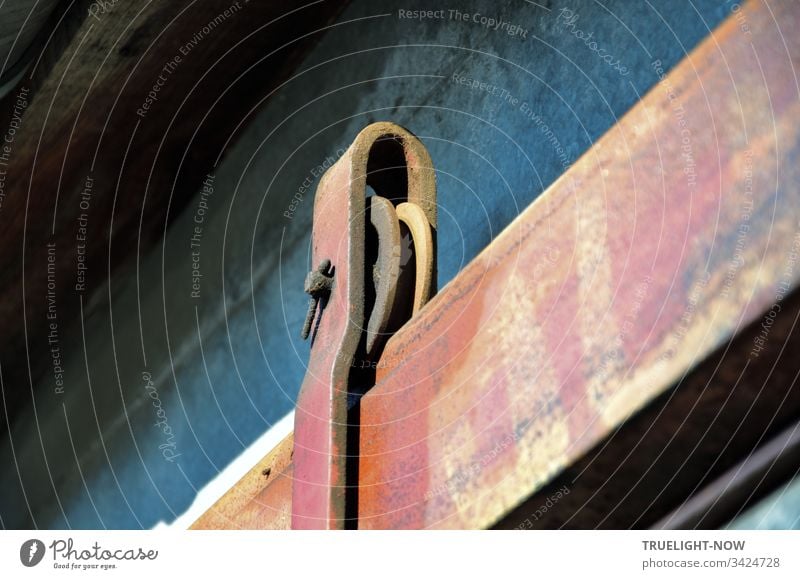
x,y
671,234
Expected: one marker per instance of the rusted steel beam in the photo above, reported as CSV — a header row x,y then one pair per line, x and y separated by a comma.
x,y
663,242
671,234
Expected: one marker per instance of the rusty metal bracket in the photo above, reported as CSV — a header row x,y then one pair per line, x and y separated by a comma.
x,y
369,297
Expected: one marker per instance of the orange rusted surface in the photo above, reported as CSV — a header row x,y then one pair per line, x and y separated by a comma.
x,y
262,499
668,236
